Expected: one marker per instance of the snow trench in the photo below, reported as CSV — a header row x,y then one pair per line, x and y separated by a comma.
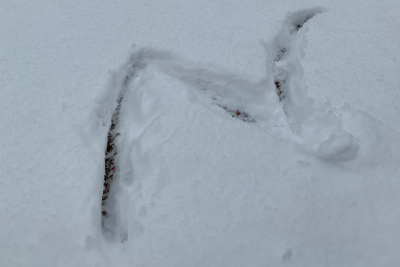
x,y
286,46
279,104
221,91
319,131
109,217
110,167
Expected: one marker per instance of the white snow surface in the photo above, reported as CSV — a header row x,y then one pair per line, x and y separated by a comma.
x,y
309,181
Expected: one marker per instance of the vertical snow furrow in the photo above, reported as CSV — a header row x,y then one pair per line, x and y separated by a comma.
x,y
287,70
110,167
320,130
284,47
110,220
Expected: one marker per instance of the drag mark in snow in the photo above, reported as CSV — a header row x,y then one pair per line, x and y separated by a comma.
x,y
237,114
314,122
216,86
283,48
113,152
110,163
225,90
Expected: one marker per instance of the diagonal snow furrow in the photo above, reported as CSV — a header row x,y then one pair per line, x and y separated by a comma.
x,y
224,89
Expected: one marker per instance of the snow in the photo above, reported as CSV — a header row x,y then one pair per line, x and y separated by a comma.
x,y
213,169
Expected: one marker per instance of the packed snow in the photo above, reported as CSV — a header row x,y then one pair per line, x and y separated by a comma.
x,y
250,133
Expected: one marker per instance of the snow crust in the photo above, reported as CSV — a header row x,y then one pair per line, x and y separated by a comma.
x,y
309,181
